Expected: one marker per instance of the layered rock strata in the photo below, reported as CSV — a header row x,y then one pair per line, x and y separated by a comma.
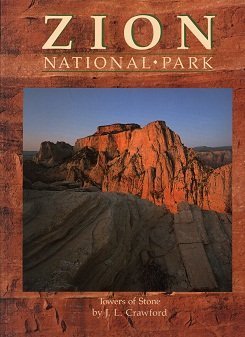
x,y
118,242
215,158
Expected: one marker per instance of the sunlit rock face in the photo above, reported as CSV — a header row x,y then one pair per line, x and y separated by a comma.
x,y
150,162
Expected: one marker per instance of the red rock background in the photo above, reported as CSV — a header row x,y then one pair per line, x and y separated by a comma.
x,y
23,34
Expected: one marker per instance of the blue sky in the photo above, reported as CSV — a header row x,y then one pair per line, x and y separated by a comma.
x,y
199,116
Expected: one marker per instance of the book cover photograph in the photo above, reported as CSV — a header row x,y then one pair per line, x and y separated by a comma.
x,y
122,169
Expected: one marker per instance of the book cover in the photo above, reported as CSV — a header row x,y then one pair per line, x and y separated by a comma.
x,y
122,168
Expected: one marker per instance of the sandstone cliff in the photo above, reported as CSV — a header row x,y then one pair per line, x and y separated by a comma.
x,y
153,163
118,242
150,162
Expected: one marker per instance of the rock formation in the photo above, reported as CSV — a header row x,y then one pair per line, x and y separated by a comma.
x,y
218,190
127,241
150,162
119,242
153,163
115,128
214,157
51,154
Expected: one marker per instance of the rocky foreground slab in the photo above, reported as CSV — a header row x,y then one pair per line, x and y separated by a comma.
x,y
95,241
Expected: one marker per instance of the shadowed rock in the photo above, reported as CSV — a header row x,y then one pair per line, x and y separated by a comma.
x,y
51,154
115,128
90,241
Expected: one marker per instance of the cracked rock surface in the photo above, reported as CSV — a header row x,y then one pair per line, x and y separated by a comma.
x,y
93,241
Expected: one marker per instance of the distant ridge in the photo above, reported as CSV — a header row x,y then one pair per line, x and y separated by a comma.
x,y
29,154
208,148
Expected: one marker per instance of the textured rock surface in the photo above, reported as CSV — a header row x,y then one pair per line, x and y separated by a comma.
x,y
118,242
114,128
150,162
51,154
199,315
218,191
